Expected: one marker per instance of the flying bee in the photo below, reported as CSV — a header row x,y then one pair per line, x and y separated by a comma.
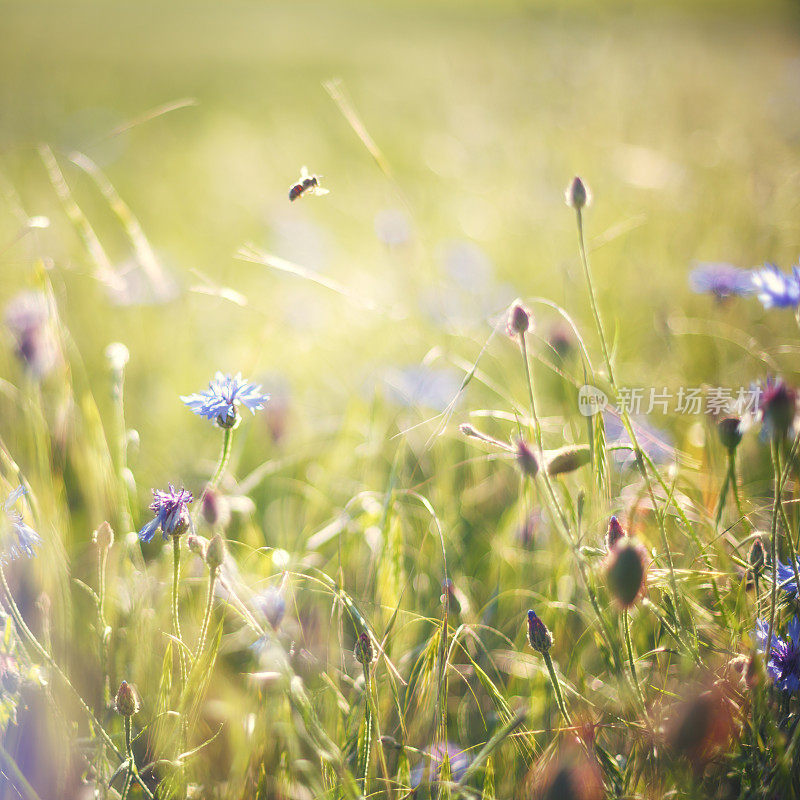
x,y
307,184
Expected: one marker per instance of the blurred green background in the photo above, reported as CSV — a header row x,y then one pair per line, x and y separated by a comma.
x,y
683,118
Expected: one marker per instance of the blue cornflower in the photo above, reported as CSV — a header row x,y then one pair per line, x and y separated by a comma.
x,y
783,659
171,509
218,403
19,538
721,280
777,289
785,577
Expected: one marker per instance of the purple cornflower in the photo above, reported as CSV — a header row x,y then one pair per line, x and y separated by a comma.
x,y
19,539
171,509
777,289
218,402
721,280
783,659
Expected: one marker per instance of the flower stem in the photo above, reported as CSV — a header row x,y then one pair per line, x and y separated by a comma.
x,y
626,624
45,656
176,623
556,687
537,428
212,580
104,630
624,415
774,543
222,464
131,765
224,457
363,766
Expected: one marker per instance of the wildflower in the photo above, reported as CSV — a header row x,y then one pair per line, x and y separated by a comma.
x,y
783,656
777,289
778,407
577,194
171,509
539,636
526,460
730,432
721,280
784,573
19,539
127,702
272,606
626,571
614,533
29,320
519,320
363,650
219,402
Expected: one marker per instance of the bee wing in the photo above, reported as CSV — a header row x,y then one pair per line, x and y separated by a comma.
x,y
303,172
320,190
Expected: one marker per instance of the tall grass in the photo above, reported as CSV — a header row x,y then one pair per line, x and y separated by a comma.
x,y
345,612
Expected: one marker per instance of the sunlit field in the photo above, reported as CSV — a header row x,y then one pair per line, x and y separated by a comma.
x,y
442,474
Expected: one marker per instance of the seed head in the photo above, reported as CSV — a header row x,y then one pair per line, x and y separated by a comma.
x,y
577,195
626,571
127,702
539,637
526,460
568,459
363,649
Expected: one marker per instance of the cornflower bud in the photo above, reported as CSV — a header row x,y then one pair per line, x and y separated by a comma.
x,y
103,537
363,650
215,552
126,701
615,533
215,508
730,434
526,460
577,195
756,556
519,320
539,637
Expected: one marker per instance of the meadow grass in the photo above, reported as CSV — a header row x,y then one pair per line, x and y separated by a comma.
x,y
396,578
